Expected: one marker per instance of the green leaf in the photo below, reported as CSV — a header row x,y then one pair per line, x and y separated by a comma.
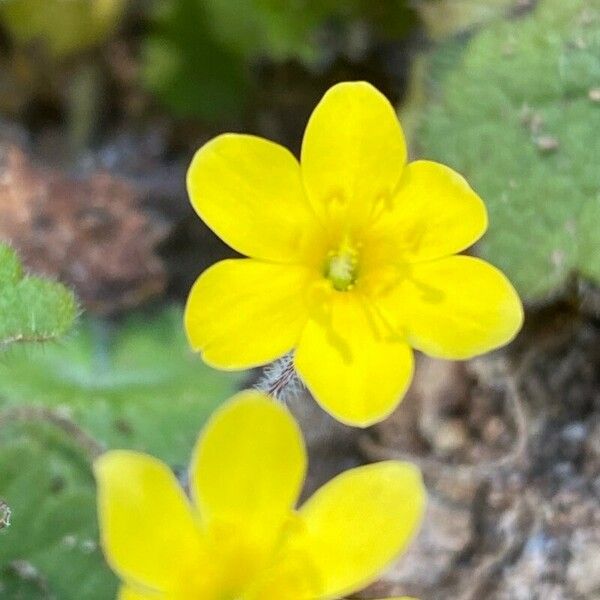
x,y
62,27
51,549
133,386
31,308
514,111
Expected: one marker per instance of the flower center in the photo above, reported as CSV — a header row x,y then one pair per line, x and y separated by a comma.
x,y
341,269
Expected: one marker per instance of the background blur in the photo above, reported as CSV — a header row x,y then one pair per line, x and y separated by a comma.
x,y
102,105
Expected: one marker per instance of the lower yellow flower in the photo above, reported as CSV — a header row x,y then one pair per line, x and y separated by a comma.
x,y
240,538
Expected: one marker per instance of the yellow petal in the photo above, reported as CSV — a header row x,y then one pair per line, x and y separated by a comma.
x,y
456,307
433,214
244,313
249,192
360,521
356,373
293,576
148,531
353,151
128,593
248,468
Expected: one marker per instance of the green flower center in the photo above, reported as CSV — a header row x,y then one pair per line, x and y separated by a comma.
x,y
341,269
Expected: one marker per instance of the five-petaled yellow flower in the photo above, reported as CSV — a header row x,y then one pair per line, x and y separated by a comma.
x,y
240,538
353,258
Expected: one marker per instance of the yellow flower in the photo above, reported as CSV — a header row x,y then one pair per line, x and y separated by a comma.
x,y
240,538
352,258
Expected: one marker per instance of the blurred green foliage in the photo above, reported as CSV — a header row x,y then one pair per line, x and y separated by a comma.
x,y
62,27
516,109
444,18
31,308
51,549
198,56
131,386
136,386
188,69
282,29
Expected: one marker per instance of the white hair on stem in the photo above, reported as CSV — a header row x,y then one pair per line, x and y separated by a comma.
x,y
280,379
